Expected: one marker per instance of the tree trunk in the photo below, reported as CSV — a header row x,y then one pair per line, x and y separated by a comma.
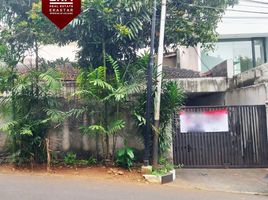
x,y
37,56
97,145
48,155
106,134
115,135
105,106
37,66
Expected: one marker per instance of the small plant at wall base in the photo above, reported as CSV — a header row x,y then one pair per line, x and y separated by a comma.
x,y
92,161
70,159
125,157
164,167
163,170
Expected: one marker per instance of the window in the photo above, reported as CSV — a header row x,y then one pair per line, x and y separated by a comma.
x,y
246,54
259,51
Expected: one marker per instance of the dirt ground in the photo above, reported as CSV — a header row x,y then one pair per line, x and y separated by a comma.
x,y
100,172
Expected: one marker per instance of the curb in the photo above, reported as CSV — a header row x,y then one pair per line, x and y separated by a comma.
x,y
164,179
218,190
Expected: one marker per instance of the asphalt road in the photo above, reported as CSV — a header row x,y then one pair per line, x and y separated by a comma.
x,y
31,187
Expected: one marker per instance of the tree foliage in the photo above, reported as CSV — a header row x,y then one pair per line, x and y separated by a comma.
x,y
105,97
28,118
114,27
194,22
172,98
24,28
29,96
121,27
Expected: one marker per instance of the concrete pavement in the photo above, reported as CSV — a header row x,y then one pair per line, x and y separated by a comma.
x,y
31,187
249,181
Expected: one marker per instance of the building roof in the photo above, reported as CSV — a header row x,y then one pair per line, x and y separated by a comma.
x,y
174,73
68,72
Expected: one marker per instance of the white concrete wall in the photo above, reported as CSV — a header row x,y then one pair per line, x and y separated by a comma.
x,y
3,138
252,95
253,76
189,58
203,85
67,137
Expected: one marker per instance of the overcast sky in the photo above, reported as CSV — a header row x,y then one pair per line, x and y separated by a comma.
x,y
238,22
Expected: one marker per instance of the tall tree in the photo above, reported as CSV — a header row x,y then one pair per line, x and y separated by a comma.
x,y
30,95
192,22
114,27
121,27
23,27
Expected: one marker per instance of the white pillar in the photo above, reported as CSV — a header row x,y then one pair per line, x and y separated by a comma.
x,y
85,139
66,136
230,68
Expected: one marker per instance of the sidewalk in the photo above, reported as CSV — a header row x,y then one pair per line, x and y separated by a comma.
x,y
249,181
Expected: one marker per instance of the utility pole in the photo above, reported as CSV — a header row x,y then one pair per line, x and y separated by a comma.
x,y
149,101
157,101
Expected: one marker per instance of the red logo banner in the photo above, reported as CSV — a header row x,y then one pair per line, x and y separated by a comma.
x,y
61,12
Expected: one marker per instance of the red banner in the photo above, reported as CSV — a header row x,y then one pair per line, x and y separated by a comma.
x,y
61,12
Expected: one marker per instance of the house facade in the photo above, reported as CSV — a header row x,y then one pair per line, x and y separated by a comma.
x,y
246,50
232,86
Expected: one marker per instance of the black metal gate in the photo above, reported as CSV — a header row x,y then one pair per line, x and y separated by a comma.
x,y
245,145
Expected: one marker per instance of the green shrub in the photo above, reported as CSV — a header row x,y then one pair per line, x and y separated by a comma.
x,y
165,167
91,161
163,170
172,98
27,112
162,161
125,157
81,162
70,159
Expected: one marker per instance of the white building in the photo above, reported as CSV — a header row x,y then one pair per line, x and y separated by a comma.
x,y
243,38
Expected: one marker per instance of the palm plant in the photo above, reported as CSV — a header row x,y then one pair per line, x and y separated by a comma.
x,y
105,95
26,110
172,98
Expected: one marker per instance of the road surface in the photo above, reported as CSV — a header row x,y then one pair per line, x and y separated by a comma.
x,y
32,187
